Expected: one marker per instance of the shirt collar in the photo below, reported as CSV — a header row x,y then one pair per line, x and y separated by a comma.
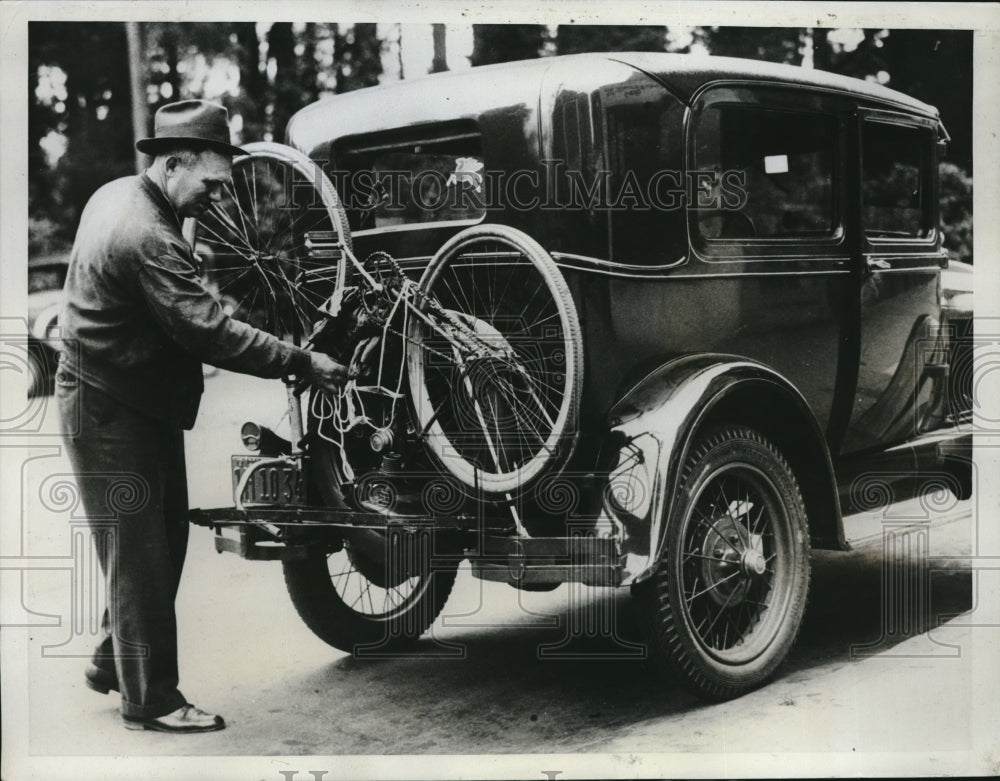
x,y
160,199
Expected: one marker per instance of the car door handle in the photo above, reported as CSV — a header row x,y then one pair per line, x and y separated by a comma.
x,y
877,264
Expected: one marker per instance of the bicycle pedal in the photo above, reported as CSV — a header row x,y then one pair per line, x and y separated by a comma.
x,y
323,245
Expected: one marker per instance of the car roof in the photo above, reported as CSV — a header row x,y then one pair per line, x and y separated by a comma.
x,y
469,93
689,72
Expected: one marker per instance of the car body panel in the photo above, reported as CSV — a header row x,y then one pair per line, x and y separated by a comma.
x,y
652,427
46,276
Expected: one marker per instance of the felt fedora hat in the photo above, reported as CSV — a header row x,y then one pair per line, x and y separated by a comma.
x,y
199,124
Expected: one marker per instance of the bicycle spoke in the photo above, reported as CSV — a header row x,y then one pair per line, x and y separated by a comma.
x,y
251,185
238,250
287,232
231,189
278,291
535,323
491,446
224,288
514,404
226,221
468,306
532,427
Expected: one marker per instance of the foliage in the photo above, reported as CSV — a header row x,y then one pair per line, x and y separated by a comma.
x,y
575,38
865,61
91,110
956,211
777,44
278,69
492,43
936,66
360,62
932,65
44,236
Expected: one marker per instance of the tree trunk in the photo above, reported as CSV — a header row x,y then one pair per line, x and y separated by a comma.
x,y
822,59
284,98
440,61
137,89
253,87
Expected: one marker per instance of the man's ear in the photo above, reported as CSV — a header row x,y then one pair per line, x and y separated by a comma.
x,y
172,163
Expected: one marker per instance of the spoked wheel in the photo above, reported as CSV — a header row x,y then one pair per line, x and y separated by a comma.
x,y
378,592
269,244
725,604
495,360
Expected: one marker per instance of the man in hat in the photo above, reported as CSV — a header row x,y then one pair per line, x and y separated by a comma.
x,y
138,323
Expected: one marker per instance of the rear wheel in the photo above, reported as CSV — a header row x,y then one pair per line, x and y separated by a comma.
x,y
378,590
725,604
377,593
495,363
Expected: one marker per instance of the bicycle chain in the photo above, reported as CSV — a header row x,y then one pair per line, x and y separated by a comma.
x,y
429,303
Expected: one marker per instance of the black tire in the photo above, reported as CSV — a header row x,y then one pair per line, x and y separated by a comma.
x,y
724,606
324,604
501,417
327,603
40,370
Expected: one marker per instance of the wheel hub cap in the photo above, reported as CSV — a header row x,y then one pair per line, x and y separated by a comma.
x,y
753,562
732,559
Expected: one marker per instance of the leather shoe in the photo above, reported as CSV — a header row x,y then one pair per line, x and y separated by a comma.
x,y
99,680
186,718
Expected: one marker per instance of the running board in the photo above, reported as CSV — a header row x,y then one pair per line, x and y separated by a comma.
x,y
593,561
930,461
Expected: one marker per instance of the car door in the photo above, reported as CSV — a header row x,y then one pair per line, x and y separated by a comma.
x,y
769,267
900,261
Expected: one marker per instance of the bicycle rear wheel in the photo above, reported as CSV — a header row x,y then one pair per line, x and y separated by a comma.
x,y
271,246
495,360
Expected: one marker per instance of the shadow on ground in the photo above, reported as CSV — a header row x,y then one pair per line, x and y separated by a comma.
x,y
566,687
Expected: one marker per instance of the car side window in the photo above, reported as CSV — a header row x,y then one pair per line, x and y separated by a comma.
x,y
765,173
894,180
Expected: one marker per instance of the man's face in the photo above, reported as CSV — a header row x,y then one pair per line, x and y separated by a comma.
x,y
192,188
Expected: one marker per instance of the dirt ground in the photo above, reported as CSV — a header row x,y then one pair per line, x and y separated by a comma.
x,y
512,683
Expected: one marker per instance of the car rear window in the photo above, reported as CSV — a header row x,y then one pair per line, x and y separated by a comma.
x,y
432,176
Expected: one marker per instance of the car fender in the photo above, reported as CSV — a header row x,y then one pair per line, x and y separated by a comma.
x,y
45,320
652,426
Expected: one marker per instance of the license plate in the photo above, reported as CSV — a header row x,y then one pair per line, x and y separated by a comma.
x,y
280,484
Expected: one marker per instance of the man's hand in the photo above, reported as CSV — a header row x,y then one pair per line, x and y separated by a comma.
x,y
325,372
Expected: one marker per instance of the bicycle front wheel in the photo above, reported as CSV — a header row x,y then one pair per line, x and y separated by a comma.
x,y
272,246
495,360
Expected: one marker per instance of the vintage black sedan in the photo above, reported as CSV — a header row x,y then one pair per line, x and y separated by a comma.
x,y
641,320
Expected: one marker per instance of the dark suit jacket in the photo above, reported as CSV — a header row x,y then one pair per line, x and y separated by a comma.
x,y
137,321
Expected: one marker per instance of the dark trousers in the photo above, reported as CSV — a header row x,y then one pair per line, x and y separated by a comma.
x,y
131,476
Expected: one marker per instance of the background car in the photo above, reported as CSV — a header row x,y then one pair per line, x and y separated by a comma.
x,y
46,276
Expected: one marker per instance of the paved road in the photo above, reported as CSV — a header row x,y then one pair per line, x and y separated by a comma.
x,y
481,683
